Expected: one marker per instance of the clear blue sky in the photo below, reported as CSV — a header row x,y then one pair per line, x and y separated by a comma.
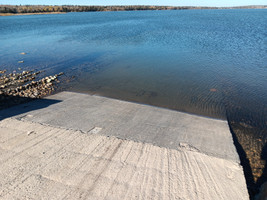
x,y
139,2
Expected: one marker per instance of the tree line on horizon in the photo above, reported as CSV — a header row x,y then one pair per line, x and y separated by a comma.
x,y
67,8
70,8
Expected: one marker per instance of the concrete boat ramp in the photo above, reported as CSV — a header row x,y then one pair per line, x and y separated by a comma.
x,y
78,146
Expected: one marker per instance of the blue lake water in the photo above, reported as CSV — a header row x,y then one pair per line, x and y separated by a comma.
x,y
207,62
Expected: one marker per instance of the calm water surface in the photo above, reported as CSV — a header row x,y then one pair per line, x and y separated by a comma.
x,y
206,62
165,58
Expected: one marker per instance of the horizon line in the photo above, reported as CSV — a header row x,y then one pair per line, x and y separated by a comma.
x,y
125,5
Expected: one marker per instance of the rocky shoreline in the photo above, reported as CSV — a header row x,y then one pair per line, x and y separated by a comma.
x,y
16,88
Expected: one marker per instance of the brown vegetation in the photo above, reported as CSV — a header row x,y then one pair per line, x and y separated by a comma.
x,y
38,9
43,13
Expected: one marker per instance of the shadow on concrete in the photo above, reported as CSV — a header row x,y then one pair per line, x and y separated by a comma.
x,y
14,105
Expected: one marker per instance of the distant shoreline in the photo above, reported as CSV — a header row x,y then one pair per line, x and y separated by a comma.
x,y
41,13
7,10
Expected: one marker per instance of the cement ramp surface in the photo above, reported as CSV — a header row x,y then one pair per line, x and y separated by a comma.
x,y
92,147
44,162
126,120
